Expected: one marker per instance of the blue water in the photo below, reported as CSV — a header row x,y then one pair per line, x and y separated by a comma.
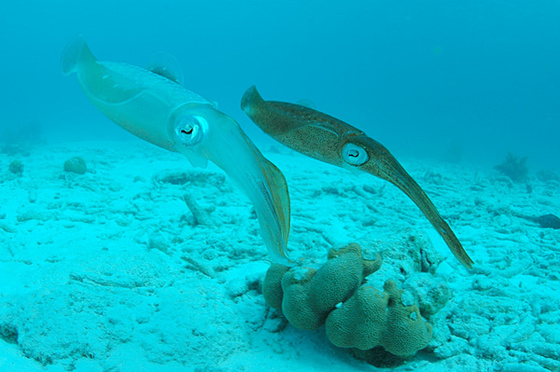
x,y
420,77
428,79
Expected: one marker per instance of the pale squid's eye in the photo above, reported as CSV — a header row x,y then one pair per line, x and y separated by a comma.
x,y
354,155
191,129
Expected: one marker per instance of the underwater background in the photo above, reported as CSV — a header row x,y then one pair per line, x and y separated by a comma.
x,y
423,78
117,255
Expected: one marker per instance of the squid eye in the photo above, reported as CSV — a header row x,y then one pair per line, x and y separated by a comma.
x,y
191,129
354,155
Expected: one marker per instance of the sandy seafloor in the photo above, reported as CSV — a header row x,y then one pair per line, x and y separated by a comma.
x,y
109,271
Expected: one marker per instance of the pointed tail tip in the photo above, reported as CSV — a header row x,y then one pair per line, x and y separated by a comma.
x,y
467,261
283,260
461,254
76,51
248,98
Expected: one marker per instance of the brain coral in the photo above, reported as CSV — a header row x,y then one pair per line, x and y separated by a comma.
x,y
371,318
354,314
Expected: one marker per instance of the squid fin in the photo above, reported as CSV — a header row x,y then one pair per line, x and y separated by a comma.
x,y
166,65
307,103
76,53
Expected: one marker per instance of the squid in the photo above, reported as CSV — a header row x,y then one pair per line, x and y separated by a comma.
x,y
152,105
333,141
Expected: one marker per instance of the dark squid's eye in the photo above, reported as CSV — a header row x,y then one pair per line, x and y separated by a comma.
x,y
191,129
354,155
